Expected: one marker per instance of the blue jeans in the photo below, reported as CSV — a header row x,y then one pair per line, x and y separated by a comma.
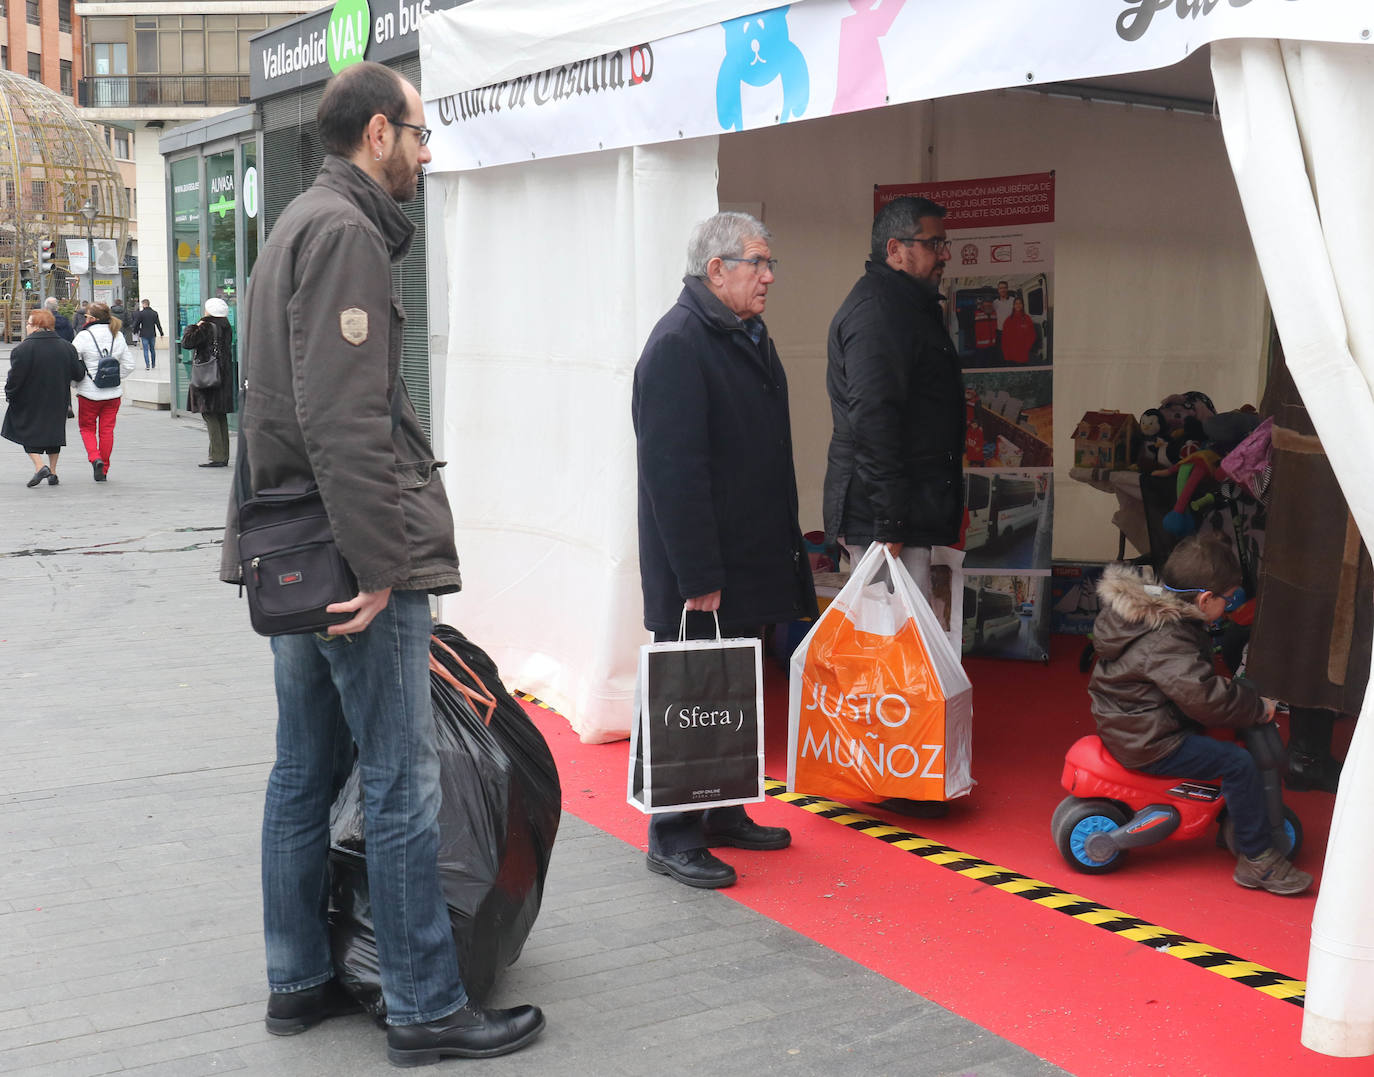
x,y
371,689
1205,757
149,351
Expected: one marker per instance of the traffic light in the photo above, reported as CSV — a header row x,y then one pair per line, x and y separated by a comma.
x,y
26,276
46,253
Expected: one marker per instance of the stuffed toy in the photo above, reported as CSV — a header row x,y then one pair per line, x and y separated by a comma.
x,y
1193,466
1152,444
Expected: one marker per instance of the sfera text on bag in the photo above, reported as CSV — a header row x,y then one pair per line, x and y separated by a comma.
x,y
699,718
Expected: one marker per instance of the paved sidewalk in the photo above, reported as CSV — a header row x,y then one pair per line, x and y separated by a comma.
x,y
136,717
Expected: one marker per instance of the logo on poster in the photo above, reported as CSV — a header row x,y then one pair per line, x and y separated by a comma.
x,y
1033,252
1001,252
969,253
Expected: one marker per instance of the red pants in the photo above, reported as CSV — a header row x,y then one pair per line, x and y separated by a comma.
x,y
96,420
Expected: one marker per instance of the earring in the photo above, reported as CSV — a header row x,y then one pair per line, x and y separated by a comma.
x,y
379,155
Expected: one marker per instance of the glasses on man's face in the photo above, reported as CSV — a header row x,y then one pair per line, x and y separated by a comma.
x,y
422,133
757,263
936,244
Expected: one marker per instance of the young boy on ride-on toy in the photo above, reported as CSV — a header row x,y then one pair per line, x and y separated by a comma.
x,y
1155,688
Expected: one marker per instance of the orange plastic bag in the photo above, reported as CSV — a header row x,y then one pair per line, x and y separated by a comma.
x,y
879,704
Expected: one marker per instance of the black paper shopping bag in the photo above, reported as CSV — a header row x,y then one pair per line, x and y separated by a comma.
x,y
697,741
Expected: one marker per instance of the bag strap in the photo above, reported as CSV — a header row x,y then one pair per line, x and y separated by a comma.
x,y
682,627
481,697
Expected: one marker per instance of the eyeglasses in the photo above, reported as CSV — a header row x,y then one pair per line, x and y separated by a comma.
x,y
936,244
422,132
1234,601
757,263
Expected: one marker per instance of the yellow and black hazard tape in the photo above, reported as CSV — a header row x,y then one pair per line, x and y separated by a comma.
x,y
1262,979
531,699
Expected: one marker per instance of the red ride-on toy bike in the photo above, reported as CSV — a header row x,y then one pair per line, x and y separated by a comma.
x,y
1112,810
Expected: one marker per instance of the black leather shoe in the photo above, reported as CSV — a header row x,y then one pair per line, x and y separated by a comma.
x,y
53,480
750,835
214,463
98,470
469,1032
38,476
1309,772
290,1012
695,867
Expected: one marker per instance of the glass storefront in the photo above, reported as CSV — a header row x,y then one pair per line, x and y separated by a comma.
x,y
217,230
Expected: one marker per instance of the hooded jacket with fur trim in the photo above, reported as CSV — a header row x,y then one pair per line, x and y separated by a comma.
x,y
1155,683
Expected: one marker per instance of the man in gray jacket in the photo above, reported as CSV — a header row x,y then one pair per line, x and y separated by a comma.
x,y
322,333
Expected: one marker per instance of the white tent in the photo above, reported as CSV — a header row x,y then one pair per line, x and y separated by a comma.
x,y
577,143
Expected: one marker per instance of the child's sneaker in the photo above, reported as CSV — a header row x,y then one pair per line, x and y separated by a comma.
x,y
1271,871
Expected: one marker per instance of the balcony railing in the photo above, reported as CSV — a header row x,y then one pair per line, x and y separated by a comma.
x,y
139,91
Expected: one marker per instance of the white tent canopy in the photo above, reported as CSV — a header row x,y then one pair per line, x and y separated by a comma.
x,y
552,271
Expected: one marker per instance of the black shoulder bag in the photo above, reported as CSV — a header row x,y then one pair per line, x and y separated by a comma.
x,y
292,568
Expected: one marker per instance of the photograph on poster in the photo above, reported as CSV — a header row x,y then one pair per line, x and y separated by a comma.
x,y
1004,616
1009,419
1009,519
1002,321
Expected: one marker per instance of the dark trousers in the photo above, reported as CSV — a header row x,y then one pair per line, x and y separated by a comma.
x,y
680,831
1205,757
217,424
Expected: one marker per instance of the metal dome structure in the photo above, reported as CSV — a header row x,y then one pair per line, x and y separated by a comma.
x,y
51,162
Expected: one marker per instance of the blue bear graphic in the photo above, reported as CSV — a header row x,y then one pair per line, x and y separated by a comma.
x,y
757,51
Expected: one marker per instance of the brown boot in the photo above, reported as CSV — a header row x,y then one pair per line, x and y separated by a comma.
x,y
1271,871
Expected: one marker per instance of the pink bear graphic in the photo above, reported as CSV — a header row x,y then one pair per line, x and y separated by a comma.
x,y
861,79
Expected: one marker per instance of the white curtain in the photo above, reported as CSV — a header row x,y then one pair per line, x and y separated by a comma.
x,y
556,272
1295,118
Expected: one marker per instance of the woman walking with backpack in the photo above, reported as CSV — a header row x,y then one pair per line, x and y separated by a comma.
x,y
101,346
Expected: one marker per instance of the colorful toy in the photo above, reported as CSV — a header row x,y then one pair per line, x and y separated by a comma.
x,y
1111,810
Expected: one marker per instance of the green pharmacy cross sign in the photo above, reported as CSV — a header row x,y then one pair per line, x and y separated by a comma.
x,y
223,206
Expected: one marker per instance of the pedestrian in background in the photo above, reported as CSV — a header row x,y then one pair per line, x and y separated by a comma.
x,y
43,368
211,339
61,324
148,327
324,404
97,407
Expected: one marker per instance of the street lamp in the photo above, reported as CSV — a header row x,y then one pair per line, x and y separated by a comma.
x,y
88,211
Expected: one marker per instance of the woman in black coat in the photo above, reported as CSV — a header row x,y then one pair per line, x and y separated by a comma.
x,y
212,341
43,369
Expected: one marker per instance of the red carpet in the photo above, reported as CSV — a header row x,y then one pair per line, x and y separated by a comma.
x,y
1092,1002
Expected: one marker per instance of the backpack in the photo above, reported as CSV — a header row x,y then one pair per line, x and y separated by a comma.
x,y
107,369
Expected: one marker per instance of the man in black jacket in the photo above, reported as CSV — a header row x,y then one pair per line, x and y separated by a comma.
x,y
894,470
323,405
718,529
148,326
62,326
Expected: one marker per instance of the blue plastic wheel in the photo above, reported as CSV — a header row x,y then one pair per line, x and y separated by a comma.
x,y
1075,821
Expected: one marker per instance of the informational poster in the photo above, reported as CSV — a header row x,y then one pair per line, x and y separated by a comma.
x,y
997,294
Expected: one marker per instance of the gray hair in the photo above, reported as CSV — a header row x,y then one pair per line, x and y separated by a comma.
x,y
722,236
50,302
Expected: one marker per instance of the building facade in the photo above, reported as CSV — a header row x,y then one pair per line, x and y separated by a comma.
x,y
154,65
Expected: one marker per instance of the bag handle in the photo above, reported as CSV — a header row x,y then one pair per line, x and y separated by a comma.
x,y
682,627
478,699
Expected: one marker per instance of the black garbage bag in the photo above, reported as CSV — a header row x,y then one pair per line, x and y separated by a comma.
x,y
498,815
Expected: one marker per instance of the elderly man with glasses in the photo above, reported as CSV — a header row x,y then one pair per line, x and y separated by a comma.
x,y
894,469
718,530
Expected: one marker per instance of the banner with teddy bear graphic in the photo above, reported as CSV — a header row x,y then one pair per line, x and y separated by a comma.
x,y
999,311
497,94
